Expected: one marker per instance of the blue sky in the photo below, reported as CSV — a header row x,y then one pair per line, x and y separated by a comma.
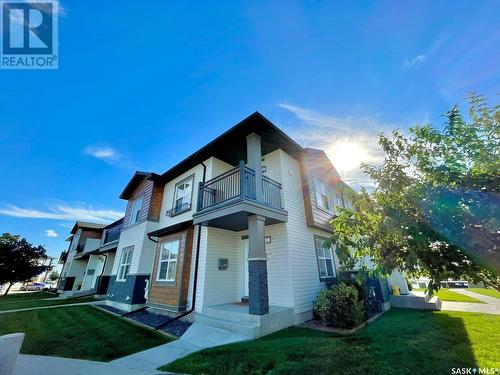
x,y
143,85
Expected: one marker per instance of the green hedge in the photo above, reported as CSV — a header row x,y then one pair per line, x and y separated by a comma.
x,y
340,307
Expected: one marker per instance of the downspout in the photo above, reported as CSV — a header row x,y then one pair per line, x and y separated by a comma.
x,y
195,281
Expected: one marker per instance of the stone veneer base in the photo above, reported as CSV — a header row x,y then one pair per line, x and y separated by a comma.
x,y
129,291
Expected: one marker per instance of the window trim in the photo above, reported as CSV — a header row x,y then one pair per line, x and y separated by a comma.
x,y
316,183
334,266
121,264
159,262
174,212
130,222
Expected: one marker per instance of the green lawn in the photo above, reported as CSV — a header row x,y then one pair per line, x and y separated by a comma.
x,y
25,296
487,292
450,296
39,302
78,332
399,342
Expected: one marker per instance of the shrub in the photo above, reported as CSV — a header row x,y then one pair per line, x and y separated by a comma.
x,y
339,307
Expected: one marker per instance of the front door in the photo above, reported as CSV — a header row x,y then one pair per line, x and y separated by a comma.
x,y
97,271
245,266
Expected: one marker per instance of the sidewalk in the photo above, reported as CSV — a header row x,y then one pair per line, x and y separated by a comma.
x,y
42,365
196,338
491,305
50,307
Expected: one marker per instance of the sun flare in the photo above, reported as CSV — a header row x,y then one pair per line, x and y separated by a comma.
x,y
347,155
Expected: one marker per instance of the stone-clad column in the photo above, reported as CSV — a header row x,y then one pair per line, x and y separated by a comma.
x,y
254,161
257,267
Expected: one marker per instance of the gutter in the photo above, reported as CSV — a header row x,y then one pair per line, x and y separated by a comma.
x,y
195,281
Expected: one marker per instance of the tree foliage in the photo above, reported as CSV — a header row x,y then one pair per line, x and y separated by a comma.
x,y
54,275
19,259
436,206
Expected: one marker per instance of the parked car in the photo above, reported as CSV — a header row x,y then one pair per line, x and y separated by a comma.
x,y
50,285
34,287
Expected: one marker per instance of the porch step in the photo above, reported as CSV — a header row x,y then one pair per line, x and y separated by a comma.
x,y
229,315
412,301
240,327
76,293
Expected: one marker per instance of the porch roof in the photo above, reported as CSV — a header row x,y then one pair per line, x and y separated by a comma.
x,y
171,229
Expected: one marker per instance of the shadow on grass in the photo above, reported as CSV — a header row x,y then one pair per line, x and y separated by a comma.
x,y
400,342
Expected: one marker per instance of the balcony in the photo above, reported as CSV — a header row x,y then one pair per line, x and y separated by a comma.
x,y
63,257
112,235
226,200
87,247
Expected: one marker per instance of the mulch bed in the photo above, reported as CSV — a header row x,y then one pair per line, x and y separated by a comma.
x,y
318,326
175,328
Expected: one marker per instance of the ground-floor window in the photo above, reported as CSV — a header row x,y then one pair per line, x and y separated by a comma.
x,y
324,254
125,261
167,261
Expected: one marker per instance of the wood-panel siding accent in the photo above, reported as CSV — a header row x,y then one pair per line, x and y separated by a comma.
x,y
152,194
156,200
173,295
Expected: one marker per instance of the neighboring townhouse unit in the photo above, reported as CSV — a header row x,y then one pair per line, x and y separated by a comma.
x,y
234,232
89,259
105,257
134,257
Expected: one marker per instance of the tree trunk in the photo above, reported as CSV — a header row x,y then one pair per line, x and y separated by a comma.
x,y
8,288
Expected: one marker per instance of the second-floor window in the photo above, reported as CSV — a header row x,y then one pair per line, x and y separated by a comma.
x,y
136,211
321,194
182,195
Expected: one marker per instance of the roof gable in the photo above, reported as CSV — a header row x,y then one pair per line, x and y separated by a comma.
x,y
231,145
135,181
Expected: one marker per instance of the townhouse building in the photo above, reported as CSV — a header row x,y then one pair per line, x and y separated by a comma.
x,y
235,233
88,261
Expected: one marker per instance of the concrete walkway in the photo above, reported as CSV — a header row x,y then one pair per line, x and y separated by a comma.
x,y
486,299
491,305
197,337
42,365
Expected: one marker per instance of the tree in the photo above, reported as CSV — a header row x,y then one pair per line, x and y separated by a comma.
x,y
19,260
436,206
54,275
